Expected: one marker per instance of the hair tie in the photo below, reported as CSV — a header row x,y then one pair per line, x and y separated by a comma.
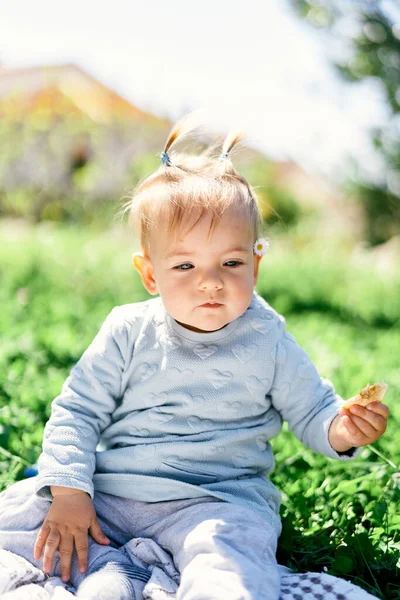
x,y
165,159
223,155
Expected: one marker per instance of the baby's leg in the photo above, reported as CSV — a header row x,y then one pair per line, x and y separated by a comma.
x,y
111,574
223,551
22,514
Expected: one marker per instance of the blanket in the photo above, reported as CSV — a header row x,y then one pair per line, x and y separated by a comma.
x,y
20,580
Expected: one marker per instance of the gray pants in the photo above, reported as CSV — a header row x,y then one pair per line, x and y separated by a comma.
x,y
221,550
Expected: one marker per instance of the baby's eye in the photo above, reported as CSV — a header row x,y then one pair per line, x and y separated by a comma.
x,y
233,263
184,267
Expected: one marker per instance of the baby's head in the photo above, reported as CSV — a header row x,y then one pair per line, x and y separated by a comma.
x,y
198,220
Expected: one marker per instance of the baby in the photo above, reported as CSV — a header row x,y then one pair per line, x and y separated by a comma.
x,y
162,429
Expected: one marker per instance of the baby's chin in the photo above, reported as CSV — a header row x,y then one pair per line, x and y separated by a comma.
x,y
202,327
207,323
207,320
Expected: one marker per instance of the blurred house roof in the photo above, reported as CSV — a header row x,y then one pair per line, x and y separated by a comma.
x,y
64,88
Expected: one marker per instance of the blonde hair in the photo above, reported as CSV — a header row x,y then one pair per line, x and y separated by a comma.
x,y
190,186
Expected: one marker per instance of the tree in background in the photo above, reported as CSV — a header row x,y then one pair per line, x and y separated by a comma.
x,y
366,36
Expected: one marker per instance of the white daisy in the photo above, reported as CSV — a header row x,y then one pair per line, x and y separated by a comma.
x,y
261,246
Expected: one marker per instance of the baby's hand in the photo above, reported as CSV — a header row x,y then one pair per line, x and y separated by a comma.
x,y
358,426
70,516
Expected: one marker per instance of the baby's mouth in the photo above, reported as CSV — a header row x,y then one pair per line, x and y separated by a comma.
x,y
211,305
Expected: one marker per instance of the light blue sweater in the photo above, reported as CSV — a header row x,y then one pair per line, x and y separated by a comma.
x,y
153,411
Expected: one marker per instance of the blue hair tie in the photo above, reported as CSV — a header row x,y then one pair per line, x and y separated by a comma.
x,y
165,159
223,155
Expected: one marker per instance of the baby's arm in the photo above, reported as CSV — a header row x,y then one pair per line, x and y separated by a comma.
x,y
83,410
304,399
67,463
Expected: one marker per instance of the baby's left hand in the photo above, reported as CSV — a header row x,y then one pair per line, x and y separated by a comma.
x,y
358,426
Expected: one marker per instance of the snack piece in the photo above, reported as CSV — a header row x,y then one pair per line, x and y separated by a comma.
x,y
371,393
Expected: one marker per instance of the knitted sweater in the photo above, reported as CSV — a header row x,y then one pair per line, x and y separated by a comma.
x,y
153,411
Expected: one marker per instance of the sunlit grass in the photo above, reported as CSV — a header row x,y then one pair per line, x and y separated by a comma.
x,y
57,286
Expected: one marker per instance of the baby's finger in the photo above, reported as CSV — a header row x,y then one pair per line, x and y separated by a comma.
x,y
66,550
348,423
364,426
82,545
52,544
378,422
379,408
40,541
375,420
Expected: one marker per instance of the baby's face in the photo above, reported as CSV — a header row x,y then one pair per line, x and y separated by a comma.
x,y
206,280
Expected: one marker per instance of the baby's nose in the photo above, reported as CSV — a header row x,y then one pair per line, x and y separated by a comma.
x,y
212,281
216,286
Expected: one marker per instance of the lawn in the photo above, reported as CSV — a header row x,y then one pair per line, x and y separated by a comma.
x,y
57,286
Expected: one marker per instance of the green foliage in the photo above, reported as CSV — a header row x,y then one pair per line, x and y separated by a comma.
x,y
369,49
278,205
303,277
72,169
382,208
58,285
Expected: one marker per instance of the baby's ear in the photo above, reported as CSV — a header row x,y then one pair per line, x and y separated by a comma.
x,y
257,260
144,266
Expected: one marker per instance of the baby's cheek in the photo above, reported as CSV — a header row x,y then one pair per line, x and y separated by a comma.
x,y
174,299
244,293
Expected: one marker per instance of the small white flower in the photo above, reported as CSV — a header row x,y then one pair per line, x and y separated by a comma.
x,y
261,246
325,569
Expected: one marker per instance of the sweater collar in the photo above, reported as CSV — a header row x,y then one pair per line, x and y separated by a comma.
x,y
196,336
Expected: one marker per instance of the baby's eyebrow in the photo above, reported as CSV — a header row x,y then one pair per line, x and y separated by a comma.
x,y
189,253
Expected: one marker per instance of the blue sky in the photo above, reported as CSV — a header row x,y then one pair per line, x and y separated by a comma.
x,y
254,65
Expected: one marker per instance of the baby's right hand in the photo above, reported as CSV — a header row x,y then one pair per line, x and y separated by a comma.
x,y
70,516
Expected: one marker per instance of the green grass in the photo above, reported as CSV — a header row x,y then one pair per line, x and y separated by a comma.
x,y
57,286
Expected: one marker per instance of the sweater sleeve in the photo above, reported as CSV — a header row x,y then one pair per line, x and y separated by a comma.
x,y
303,398
83,410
